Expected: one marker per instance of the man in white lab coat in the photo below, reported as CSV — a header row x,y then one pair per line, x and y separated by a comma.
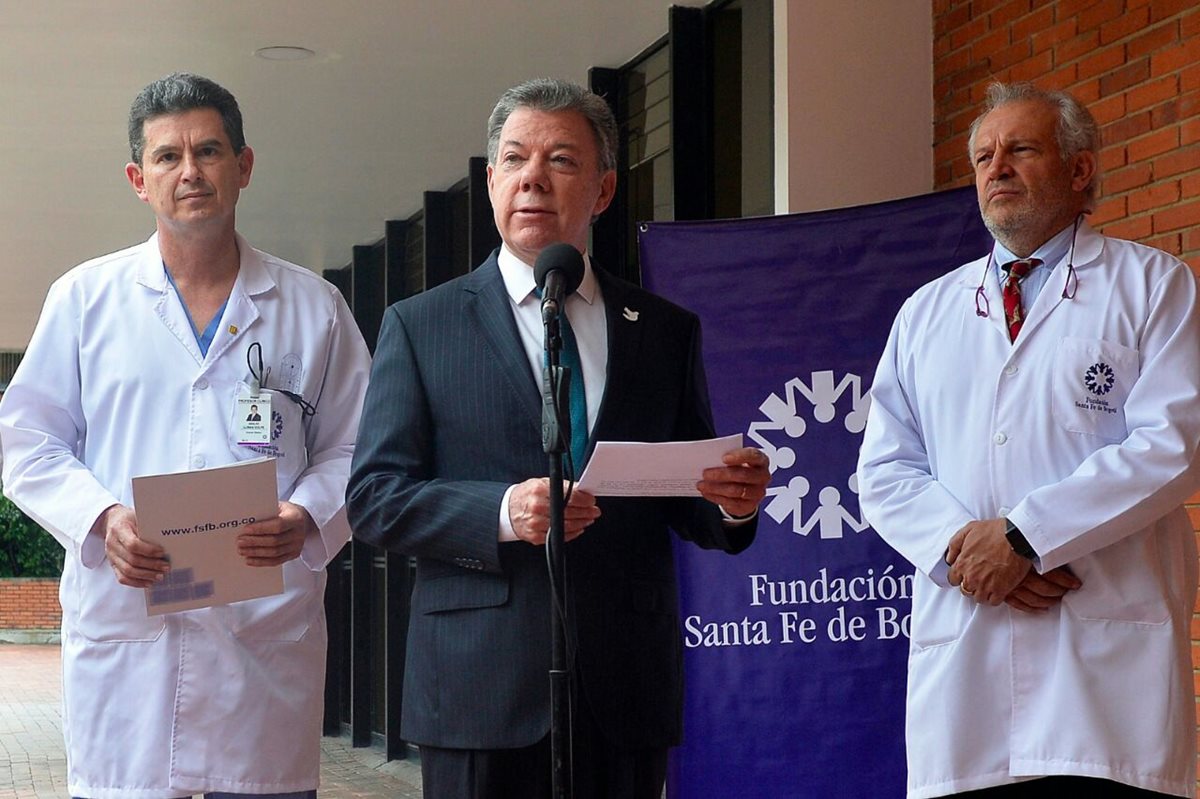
x,y
135,367
1033,434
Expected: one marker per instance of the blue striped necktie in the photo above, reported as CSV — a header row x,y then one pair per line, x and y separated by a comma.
x,y
569,357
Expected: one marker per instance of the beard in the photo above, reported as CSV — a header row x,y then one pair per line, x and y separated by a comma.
x,y
1013,223
1024,227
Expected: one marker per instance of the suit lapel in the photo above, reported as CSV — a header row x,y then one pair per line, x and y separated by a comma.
x,y
624,349
490,317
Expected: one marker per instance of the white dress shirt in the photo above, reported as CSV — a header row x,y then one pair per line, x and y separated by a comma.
x,y
585,311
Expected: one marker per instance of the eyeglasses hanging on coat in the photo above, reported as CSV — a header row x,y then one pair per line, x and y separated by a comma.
x,y
1070,285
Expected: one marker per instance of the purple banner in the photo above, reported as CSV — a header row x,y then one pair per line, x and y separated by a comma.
x,y
795,650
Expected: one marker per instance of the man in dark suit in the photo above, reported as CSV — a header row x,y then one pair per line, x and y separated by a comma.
x,y
449,468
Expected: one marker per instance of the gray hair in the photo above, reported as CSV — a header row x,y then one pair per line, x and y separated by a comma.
x,y
1075,132
179,92
551,94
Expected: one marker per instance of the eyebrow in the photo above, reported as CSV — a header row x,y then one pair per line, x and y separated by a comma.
x,y
1009,142
210,142
555,146
1023,140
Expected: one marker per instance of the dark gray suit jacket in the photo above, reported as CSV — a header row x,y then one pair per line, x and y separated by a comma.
x,y
452,418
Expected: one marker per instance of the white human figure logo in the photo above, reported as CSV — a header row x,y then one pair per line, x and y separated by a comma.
x,y
831,516
786,500
783,412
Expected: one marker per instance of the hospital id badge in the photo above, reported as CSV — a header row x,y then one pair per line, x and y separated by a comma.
x,y
253,418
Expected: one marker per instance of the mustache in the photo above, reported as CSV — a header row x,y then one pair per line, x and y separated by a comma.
x,y
195,190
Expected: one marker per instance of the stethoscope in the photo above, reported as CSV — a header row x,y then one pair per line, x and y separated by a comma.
x,y
1070,286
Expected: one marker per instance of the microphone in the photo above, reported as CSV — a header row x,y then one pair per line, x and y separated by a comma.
x,y
558,272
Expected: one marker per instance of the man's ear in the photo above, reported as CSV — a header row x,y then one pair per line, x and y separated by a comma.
x,y
1083,171
133,173
245,165
608,189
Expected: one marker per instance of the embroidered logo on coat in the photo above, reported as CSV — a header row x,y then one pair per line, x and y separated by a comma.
x,y
1099,378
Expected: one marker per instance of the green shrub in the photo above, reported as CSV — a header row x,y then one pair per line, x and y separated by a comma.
x,y
26,550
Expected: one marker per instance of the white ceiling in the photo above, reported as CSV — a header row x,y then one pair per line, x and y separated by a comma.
x,y
393,104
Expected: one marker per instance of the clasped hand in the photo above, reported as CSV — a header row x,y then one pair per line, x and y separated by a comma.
x,y
984,567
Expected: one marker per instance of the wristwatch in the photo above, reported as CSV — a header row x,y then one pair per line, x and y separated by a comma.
x,y
1016,540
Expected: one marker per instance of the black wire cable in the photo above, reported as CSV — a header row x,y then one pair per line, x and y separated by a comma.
x,y
557,594
260,376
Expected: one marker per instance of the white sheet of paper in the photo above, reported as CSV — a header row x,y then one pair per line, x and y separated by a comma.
x,y
196,517
638,469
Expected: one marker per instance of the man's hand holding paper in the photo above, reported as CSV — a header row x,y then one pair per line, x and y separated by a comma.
x,y
681,468
740,484
275,541
529,511
137,563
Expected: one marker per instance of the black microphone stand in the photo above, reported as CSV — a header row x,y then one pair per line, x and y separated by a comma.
x,y
556,435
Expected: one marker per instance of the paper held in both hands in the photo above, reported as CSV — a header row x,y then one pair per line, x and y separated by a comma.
x,y
669,469
196,517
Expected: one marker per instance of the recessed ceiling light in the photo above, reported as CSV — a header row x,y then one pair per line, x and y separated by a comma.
x,y
284,53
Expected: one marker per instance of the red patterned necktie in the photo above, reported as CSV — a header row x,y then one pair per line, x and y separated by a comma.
x,y
1014,313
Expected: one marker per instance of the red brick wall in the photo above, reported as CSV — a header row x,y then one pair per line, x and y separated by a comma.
x,y
29,604
1135,63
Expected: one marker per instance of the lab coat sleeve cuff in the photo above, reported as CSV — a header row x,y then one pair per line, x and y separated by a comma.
x,y
1036,537
91,546
940,573
319,549
91,549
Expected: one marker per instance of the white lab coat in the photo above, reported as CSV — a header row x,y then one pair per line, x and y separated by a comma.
x,y
1085,434
113,386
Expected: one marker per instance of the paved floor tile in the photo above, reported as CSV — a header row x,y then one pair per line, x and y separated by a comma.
x,y
33,764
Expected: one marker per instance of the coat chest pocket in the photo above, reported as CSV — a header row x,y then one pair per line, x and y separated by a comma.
x,y
287,444
1092,380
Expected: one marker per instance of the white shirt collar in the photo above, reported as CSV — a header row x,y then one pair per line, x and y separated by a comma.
x,y
1050,253
519,282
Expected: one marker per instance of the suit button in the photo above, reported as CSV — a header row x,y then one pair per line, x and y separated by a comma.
x,y
1000,438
